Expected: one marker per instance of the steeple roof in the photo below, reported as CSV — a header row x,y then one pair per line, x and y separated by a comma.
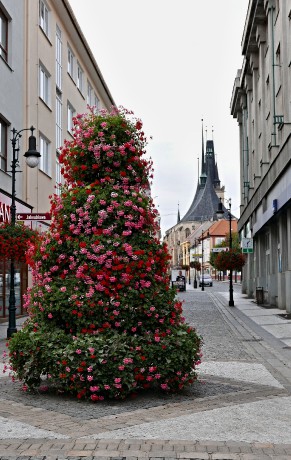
x,y
205,202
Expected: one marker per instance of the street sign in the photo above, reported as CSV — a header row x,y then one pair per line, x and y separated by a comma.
x,y
247,245
32,216
220,249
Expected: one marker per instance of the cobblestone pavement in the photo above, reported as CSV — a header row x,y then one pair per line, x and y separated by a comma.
x,y
240,408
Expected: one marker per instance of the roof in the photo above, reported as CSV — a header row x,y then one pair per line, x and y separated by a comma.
x,y
205,202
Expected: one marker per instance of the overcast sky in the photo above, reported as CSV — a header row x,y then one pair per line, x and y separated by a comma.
x,y
173,62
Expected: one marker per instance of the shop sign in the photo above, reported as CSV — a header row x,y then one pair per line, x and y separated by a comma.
x,y
4,212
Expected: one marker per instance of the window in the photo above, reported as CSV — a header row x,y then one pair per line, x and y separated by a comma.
x,y
44,16
89,94
3,145
70,62
3,35
96,103
58,57
80,75
58,175
44,161
44,84
58,120
71,114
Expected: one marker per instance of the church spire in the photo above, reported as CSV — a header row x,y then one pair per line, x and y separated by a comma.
x,y
203,159
178,216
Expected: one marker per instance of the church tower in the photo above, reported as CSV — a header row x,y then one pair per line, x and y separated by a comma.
x,y
209,191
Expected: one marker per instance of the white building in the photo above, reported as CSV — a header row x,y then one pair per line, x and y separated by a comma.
x,y
261,103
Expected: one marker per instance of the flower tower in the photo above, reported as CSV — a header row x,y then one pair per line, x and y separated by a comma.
x,y
103,321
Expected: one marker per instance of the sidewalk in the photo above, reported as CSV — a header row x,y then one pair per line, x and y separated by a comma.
x,y
240,408
4,327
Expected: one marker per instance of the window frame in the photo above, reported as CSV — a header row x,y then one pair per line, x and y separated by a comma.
x,y
96,103
4,139
70,114
80,78
70,62
44,84
59,124
89,93
58,57
44,161
4,46
44,20
58,174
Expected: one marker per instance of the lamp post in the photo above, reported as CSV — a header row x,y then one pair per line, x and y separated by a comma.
x,y
195,279
220,213
202,268
32,157
189,248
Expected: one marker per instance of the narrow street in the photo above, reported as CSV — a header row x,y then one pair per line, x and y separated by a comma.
x,y
240,408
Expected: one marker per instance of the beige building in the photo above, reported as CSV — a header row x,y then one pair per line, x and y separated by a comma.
x,y
262,106
47,75
62,77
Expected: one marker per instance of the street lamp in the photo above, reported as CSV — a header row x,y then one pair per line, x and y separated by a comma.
x,y
32,157
189,249
202,268
195,279
220,213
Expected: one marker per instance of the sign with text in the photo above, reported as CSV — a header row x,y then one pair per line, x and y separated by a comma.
x,y
32,216
220,249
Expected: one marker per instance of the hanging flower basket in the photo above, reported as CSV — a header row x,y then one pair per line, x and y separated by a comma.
x,y
230,260
15,240
195,264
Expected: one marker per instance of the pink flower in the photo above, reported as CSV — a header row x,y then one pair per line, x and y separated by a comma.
x,y
95,388
117,380
78,351
164,386
50,315
107,387
63,289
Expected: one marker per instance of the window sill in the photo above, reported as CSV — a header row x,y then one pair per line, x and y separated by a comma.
x,y
81,93
45,173
45,104
45,35
5,62
71,78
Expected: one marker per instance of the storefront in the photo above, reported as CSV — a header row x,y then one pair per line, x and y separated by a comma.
x,y
21,270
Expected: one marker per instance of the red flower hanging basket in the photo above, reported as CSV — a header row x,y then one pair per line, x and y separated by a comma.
x,y
15,240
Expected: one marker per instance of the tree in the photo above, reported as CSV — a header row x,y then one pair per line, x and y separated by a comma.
x,y
103,321
228,260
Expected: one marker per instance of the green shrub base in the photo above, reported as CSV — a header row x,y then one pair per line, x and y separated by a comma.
x,y
107,365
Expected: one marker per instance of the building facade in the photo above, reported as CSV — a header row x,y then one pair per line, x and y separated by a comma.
x,y
261,104
48,74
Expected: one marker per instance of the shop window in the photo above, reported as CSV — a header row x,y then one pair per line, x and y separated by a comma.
x,y
20,286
